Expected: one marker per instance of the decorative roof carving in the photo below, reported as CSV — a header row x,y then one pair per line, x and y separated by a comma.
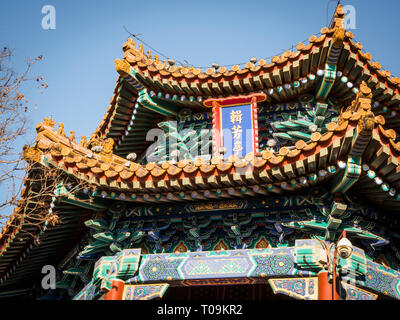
x,y
122,67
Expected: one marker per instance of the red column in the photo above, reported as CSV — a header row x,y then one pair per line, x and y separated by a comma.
x,y
337,288
117,289
325,288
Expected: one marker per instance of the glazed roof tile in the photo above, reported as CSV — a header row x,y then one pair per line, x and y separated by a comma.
x,y
107,169
154,69
290,66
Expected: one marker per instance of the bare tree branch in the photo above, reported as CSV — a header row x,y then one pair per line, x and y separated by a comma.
x,y
13,126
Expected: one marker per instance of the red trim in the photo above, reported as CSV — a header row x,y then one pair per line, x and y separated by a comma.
x,y
235,100
216,134
254,115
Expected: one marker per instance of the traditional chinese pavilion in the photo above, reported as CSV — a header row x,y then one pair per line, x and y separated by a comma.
x,y
253,175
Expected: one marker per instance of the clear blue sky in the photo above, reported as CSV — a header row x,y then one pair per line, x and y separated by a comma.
x,y
79,54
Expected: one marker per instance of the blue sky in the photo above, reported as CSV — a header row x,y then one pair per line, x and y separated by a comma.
x,y
79,54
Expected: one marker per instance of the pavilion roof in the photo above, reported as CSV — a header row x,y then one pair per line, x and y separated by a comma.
x,y
105,170
280,79
285,68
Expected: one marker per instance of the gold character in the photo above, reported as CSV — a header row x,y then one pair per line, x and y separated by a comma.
x,y
238,147
236,116
237,132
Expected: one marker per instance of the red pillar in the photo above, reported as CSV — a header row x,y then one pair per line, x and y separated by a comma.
x,y
117,289
325,288
336,293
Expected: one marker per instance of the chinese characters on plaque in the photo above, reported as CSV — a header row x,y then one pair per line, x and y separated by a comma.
x,y
235,126
236,120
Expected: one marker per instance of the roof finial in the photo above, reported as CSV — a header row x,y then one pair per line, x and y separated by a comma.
x,y
83,141
338,17
140,49
60,130
72,137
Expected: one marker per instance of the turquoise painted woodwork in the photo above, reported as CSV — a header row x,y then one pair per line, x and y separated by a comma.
x,y
350,175
382,279
301,124
144,292
350,292
89,292
102,271
207,265
310,255
180,142
323,227
355,266
298,288
163,108
240,266
121,266
326,84
361,137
